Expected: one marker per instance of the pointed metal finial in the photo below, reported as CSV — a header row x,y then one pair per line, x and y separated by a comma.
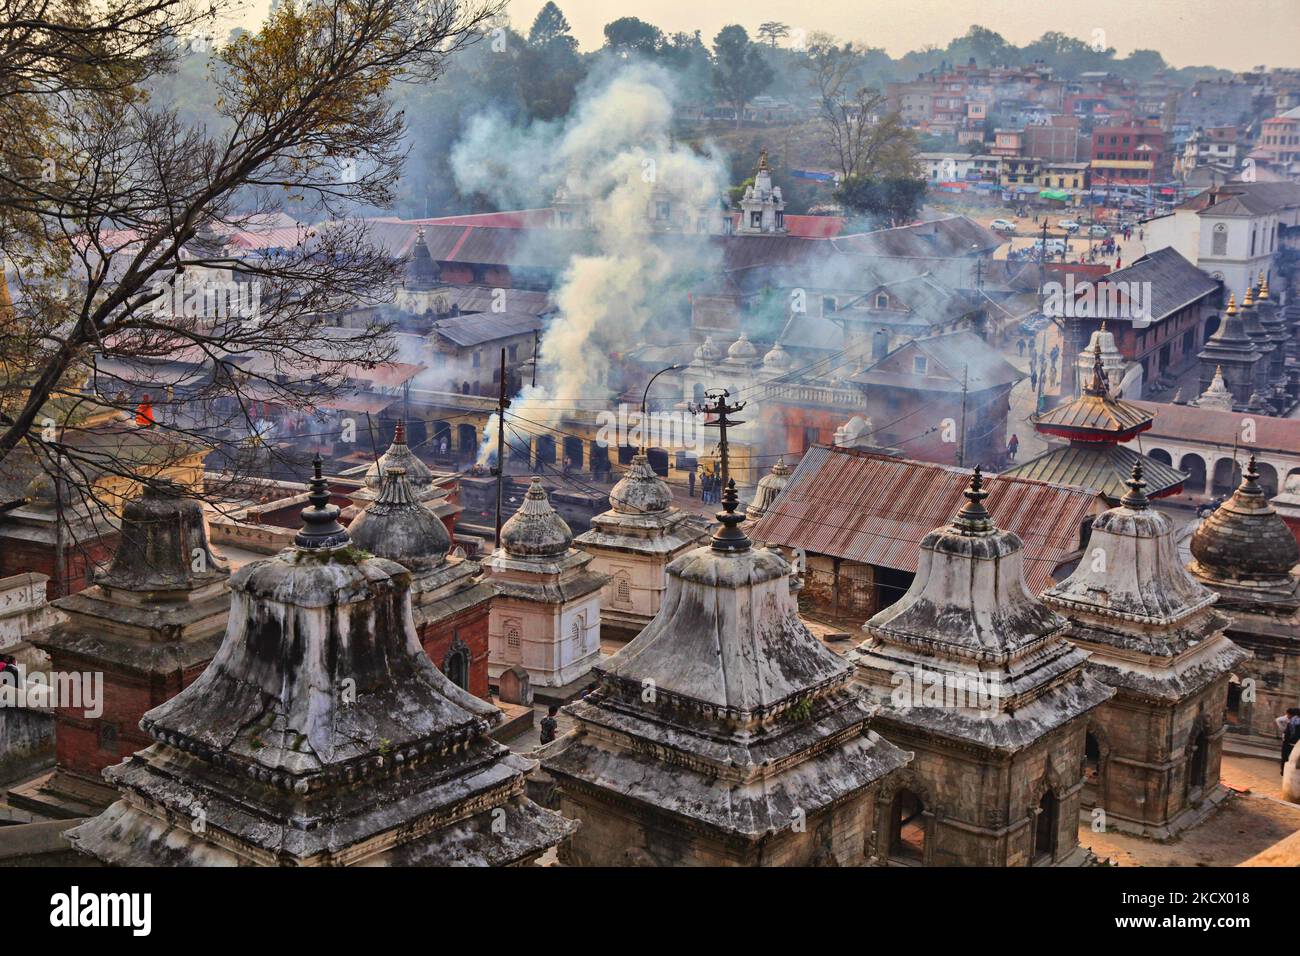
x,y
399,433
1136,497
974,517
1232,304
729,537
320,524
1263,286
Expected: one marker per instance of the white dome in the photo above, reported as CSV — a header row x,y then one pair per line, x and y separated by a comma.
x,y
778,357
742,349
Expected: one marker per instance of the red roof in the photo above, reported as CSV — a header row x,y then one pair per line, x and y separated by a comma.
x,y
1214,427
875,509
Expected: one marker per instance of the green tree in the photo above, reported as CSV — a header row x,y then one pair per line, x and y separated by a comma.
x,y
887,201
739,70
550,68
550,26
772,30
631,35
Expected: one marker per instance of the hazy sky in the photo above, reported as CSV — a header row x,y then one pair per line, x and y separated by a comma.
x,y
1234,34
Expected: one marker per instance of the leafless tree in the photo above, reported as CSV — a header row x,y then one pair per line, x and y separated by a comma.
x,y
857,129
120,224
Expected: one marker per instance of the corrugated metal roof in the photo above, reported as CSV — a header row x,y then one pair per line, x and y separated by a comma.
x,y
1099,466
875,509
466,330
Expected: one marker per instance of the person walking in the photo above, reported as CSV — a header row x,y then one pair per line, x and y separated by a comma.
x,y
1020,346
1289,724
690,483
1013,446
550,724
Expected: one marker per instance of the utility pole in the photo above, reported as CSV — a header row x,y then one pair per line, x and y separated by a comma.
x,y
537,341
717,405
502,404
961,445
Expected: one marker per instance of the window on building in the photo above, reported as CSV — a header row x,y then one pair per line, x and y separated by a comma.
x,y
513,639
756,220
920,364
1219,242
476,359
882,301
512,352
622,589
663,210
829,304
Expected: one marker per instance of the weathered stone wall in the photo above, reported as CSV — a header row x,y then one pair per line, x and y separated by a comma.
x,y
470,628
982,808
26,742
625,833
1145,755
1275,670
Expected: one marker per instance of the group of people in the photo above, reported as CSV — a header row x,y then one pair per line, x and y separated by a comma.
x,y
710,488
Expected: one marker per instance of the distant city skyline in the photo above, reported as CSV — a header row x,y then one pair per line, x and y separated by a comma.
x,y
1231,34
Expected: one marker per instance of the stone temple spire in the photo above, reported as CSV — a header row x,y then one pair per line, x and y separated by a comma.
x,y
1150,632
986,672
725,733
320,735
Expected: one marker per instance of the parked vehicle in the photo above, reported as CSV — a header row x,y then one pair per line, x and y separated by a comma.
x,y
1069,225
1054,247
1034,324
1098,231
1210,506
1002,225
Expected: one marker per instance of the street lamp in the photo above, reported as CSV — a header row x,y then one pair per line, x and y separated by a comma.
x,y
644,395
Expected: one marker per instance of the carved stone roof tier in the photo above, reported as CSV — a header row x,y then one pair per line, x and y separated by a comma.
x,y
769,486
969,619
1217,394
398,527
1149,624
641,518
536,530
163,545
399,455
1244,542
743,702
162,605
321,734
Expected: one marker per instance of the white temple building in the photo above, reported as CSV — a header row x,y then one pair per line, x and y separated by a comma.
x,y
632,543
546,616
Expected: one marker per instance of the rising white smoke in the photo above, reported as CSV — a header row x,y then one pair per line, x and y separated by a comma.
x,y
615,154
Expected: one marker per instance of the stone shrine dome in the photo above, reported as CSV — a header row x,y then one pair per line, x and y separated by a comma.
x,y
640,490
398,527
535,530
1245,541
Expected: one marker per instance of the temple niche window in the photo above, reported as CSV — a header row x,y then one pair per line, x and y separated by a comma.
x,y
108,736
1220,240
907,828
622,589
514,641
1045,832
1233,709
